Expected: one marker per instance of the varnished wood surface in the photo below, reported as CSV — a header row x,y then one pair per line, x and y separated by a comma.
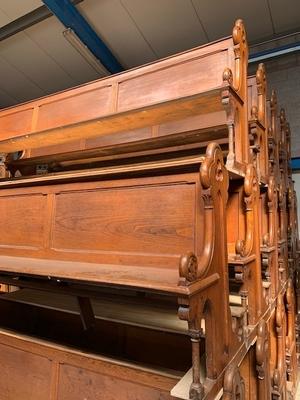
x,y
117,215
104,171
157,279
114,123
65,373
183,76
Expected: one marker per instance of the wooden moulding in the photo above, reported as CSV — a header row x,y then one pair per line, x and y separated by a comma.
x,y
258,122
262,353
279,374
269,236
273,136
197,87
245,246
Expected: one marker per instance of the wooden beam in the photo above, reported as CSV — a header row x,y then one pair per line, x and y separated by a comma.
x,y
86,312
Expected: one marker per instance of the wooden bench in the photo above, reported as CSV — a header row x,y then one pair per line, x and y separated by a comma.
x,y
203,88
149,226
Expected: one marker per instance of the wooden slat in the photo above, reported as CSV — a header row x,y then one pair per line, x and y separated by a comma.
x,y
148,278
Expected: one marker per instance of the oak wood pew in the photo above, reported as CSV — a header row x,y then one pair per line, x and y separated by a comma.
x,y
151,226
203,88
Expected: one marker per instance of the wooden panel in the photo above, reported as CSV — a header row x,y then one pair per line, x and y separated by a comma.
x,y
184,79
24,375
72,109
78,383
56,372
195,123
111,221
118,138
22,220
16,124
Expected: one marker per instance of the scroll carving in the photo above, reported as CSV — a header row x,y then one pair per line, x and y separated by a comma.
x,y
261,349
290,337
269,238
261,92
188,267
279,372
234,386
214,179
282,126
262,360
273,108
244,247
241,58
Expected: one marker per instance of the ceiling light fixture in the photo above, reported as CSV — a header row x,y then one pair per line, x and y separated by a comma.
x,y
84,51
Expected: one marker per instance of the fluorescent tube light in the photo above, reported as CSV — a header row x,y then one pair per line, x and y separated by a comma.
x,y
84,51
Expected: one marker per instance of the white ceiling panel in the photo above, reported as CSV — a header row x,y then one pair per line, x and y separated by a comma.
x,y
218,17
48,35
16,8
16,84
285,14
113,24
4,19
20,51
6,100
169,26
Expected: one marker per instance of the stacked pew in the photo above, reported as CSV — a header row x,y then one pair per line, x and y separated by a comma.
x,y
150,222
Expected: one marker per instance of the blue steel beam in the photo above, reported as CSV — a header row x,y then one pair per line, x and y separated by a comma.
x,y
68,14
276,52
295,164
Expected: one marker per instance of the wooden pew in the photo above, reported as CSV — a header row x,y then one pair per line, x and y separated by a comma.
x,y
203,90
86,227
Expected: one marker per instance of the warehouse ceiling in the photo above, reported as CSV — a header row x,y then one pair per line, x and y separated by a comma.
x,y
39,60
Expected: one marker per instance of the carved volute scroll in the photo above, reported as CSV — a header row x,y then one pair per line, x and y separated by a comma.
x,y
290,306
291,357
280,371
273,107
244,247
262,360
194,267
234,386
283,122
269,238
241,58
214,180
261,93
